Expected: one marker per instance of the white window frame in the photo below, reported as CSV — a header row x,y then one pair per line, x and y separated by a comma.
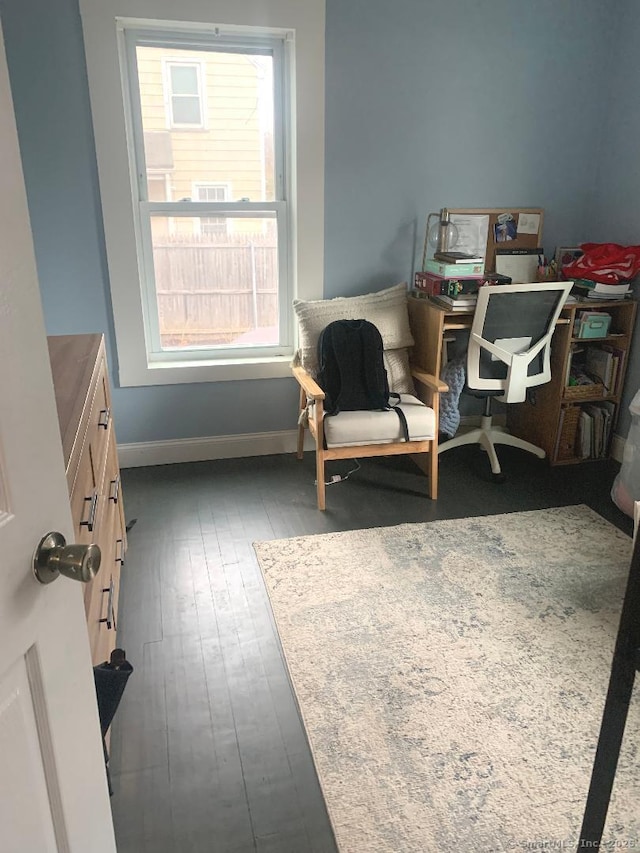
x,y
169,94
300,25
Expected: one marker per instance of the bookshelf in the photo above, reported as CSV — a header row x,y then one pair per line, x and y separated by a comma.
x,y
576,422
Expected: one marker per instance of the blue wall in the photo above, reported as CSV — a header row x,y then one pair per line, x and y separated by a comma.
x,y
617,192
469,103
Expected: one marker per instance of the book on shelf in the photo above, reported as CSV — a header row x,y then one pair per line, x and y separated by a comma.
x,y
605,298
604,363
597,291
594,430
618,360
608,411
597,430
598,363
450,304
585,434
458,258
458,298
599,287
454,270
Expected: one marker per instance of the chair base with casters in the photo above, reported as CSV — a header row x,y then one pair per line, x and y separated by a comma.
x,y
365,434
487,436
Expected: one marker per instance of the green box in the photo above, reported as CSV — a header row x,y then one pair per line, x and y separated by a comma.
x,y
595,325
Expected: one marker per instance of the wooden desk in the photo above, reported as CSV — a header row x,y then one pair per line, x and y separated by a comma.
x,y
429,322
551,422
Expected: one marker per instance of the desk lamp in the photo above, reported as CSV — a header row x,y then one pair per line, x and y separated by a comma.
x,y
441,234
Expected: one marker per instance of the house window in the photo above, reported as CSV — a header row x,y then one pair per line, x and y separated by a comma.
x,y
184,94
217,269
210,224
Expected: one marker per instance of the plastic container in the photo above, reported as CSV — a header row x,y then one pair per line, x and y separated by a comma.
x,y
626,486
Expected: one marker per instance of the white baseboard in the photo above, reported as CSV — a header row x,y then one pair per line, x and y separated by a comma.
x,y
146,453
143,453
140,454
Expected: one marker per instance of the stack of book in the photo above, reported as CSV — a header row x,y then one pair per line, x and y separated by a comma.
x,y
452,280
597,290
465,303
458,258
594,430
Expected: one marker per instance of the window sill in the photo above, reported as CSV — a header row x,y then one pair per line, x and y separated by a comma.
x,y
176,372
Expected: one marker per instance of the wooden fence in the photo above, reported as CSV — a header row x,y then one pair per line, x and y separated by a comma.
x,y
216,287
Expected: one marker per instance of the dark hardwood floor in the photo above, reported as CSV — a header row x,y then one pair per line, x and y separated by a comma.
x,y
207,749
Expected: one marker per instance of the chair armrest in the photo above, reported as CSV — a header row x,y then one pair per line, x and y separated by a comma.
x,y
429,380
308,383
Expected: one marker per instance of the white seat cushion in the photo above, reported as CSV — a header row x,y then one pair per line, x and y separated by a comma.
x,y
347,429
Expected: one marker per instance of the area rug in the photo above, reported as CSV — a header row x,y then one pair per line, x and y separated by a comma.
x,y
451,677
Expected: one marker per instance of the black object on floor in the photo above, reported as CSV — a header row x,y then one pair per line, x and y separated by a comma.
x,y
626,660
110,678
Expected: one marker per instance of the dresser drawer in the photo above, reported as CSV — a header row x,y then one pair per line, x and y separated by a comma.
x,y
96,441
101,598
86,506
88,438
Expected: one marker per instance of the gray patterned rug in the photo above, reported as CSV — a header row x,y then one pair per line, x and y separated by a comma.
x,y
452,676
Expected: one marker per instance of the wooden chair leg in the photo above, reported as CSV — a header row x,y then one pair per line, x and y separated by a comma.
x,y
320,487
301,408
433,468
433,471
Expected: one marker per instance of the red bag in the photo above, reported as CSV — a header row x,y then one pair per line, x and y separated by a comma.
x,y
608,263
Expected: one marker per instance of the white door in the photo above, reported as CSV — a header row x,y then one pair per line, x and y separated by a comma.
x,y
53,790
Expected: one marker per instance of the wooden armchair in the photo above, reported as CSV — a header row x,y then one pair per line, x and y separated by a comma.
x,y
377,432
350,435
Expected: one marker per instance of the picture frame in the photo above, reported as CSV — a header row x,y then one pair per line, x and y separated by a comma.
x,y
565,255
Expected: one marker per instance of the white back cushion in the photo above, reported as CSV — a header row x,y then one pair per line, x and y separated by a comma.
x,y
386,309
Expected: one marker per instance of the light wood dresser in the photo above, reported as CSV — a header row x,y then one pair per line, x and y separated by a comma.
x,y
83,399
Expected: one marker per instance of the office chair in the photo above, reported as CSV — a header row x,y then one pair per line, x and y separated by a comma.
x,y
508,353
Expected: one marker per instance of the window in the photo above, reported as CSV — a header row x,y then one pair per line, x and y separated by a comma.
x,y
210,192
213,229
184,95
224,284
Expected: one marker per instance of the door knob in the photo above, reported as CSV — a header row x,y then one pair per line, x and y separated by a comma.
x,y
53,557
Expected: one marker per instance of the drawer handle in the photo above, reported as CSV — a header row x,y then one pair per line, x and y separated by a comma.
x,y
120,559
110,618
115,485
103,420
91,520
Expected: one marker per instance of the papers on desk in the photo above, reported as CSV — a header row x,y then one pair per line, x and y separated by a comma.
x,y
473,230
521,265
